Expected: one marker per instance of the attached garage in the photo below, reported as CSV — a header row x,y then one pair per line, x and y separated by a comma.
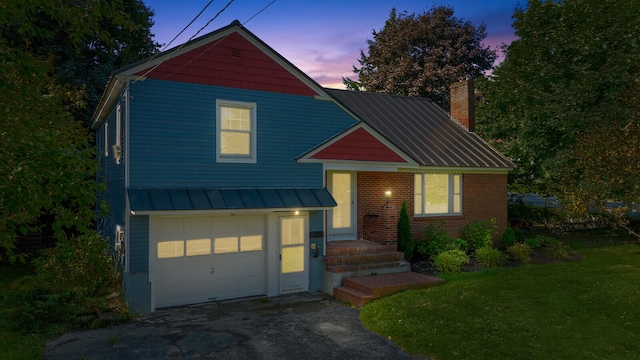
x,y
219,244
207,258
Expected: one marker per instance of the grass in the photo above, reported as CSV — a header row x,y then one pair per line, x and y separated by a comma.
x,y
586,309
13,344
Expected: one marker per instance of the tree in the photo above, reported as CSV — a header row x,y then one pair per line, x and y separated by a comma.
x,y
405,237
86,40
563,106
47,160
422,54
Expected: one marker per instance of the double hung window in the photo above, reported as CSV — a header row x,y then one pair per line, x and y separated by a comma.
x,y
437,194
236,131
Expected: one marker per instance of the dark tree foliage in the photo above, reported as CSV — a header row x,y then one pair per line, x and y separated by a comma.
x,y
86,40
405,237
52,54
422,54
564,104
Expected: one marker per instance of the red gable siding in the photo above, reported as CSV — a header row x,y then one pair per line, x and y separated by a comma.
x,y
232,62
360,145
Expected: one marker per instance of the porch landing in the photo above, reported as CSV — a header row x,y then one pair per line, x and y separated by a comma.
x,y
361,290
359,271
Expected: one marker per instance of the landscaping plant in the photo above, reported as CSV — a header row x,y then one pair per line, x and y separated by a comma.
x,y
405,237
560,250
508,238
479,234
488,256
73,283
436,239
450,261
521,252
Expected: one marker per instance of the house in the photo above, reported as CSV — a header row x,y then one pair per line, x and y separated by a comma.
x,y
230,172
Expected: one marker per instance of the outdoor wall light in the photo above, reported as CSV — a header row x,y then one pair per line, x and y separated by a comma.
x,y
387,194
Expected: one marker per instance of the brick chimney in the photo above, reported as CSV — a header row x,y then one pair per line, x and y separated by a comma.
x,y
463,103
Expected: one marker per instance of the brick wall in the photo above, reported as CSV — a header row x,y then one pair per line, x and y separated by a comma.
x,y
484,196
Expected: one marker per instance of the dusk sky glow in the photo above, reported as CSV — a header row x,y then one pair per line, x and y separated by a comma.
x,y
321,38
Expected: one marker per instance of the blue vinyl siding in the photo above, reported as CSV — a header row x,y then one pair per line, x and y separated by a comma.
x,y
315,264
112,176
138,244
173,137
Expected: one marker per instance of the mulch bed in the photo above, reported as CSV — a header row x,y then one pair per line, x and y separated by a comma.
x,y
538,256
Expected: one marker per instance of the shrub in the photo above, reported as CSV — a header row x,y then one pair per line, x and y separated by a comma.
x,y
450,261
479,234
73,279
532,242
508,238
405,238
520,252
489,257
436,240
560,250
546,240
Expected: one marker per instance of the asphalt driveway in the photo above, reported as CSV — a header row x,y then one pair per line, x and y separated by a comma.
x,y
310,326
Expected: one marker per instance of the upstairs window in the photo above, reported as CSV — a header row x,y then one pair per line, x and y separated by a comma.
x,y
236,131
437,194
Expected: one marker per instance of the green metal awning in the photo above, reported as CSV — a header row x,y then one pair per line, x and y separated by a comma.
x,y
172,199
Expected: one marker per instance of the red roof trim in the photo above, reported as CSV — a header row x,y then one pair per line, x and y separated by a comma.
x,y
231,61
359,145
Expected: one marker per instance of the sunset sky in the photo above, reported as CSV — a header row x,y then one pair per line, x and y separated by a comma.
x,y
322,38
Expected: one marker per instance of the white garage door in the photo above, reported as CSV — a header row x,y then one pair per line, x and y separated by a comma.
x,y
199,259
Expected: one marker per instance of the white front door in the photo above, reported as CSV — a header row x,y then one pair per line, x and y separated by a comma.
x,y
342,218
294,267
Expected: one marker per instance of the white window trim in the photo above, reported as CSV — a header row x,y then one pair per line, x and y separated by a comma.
x,y
451,196
106,138
117,147
252,157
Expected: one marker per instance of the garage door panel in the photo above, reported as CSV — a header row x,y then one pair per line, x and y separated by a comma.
x,y
197,226
253,223
169,295
250,285
225,266
251,265
197,270
198,292
172,272
203,258
170,228
225,225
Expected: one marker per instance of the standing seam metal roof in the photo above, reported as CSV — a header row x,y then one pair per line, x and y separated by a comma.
x,y
421,129
145,199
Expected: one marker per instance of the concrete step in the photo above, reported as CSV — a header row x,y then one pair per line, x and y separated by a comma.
x,y
366,288
352,296
381,267
363,258
353,247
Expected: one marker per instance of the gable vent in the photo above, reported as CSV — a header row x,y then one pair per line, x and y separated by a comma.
x,y
235,53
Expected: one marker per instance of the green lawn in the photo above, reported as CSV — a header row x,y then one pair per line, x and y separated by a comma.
x,y
15,345
587,309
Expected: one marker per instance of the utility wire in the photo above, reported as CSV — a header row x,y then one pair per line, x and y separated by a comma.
x,y
182,45
185,28
180,33
261,10
198,32
220,40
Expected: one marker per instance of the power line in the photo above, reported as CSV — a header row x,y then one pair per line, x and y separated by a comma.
x,y
261,10
219,40
182,45
186,27
180,33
